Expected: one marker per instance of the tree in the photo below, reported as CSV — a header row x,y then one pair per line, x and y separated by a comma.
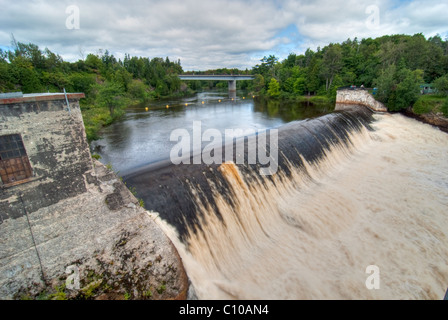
x,y
441,84
25,76
258,83
274,88
408,90
399,87
110,95
93,62
331,64
82,82
138,90
300,86
385,83
313,81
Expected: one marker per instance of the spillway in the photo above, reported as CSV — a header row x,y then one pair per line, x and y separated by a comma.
x,y
353,189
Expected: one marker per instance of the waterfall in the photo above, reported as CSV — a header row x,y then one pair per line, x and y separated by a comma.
x,y
353,189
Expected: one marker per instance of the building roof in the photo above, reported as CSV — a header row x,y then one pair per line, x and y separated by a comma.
x,y
17,97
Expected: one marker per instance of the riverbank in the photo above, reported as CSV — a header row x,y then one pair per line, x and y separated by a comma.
x,y
437,120
430,109
298,98
96,117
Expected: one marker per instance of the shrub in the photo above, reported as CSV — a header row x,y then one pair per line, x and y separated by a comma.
x,y
445,108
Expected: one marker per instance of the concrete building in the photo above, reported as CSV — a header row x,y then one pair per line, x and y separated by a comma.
x,y
61,211
44,154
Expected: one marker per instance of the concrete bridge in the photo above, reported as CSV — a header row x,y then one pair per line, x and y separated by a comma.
x,y
232,79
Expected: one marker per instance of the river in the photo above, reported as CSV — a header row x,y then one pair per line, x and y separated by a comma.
x,y
143,136
357,209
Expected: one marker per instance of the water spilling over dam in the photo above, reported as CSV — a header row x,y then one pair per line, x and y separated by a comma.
x,y
353,189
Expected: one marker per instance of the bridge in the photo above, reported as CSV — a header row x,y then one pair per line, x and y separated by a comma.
x,y
232,79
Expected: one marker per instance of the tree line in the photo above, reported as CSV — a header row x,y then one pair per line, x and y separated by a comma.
x,y
395,65
110,84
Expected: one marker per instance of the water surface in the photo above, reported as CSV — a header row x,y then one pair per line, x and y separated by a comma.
x,y
143,136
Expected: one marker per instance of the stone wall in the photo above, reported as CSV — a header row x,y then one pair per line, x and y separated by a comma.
x,y
57,148
347,97
75,219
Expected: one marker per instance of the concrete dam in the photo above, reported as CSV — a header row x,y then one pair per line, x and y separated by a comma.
x,y
354,190
349,205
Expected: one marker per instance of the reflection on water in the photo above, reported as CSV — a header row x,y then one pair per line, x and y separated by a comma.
x,y
143,136
291,111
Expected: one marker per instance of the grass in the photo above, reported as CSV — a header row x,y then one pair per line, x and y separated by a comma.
x,y
431,104
161,289
299,98
96,118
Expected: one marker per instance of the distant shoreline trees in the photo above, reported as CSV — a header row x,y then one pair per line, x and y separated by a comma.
x,y
397,65
110,85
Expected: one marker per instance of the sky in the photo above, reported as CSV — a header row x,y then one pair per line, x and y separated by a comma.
x,y
210,34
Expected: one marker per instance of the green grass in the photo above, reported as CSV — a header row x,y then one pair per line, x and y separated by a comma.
x,y
431,104
96,118
444,108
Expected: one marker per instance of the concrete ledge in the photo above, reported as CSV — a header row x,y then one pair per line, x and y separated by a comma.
x,y
41,97
359,97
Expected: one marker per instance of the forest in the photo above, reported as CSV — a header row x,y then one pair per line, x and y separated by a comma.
x,y
110,85
397,66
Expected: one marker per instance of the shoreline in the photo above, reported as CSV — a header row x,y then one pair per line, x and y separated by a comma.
x,y
435,120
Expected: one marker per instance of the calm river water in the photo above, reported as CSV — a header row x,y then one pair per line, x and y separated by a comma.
x,y
143,136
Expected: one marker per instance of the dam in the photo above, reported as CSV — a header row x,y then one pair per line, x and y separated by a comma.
x,y
355,189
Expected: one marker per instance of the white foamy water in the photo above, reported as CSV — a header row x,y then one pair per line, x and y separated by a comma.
x,y
383,202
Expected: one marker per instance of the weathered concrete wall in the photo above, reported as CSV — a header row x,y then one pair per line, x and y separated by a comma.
x,y
347,97
57,148
75,214
114,243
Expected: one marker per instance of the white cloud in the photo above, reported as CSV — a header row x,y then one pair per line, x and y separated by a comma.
x,y
210,33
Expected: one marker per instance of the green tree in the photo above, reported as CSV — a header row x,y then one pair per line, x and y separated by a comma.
x,y
408,90
138,90
25,76
300,86
259,83
399,88
441,84
331,64
82,82
313,81
110,95
274,88
332,91
385,83
93,62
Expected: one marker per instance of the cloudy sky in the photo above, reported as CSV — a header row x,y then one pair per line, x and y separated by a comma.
x,y
206,34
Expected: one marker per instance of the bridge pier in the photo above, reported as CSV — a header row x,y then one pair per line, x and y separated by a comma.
x,y
232,86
